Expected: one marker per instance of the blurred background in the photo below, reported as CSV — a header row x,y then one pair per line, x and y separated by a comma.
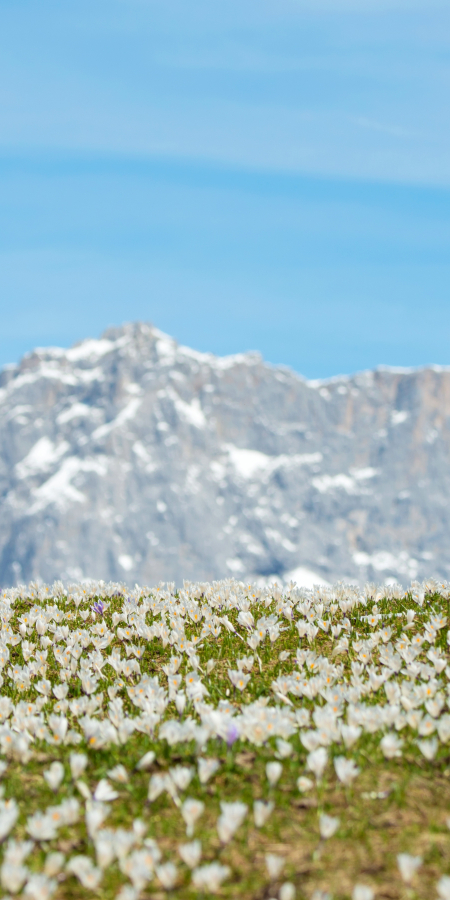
x,y
269,175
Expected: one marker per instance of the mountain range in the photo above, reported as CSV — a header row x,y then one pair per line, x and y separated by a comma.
x,y
131,458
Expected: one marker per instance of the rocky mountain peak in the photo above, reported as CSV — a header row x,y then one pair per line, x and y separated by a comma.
x,y
130,457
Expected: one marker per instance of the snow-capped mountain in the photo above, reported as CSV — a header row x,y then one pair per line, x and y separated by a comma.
x,y
134,459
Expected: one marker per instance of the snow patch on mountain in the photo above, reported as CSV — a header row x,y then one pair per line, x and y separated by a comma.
x,y
59,490
247,462
41,457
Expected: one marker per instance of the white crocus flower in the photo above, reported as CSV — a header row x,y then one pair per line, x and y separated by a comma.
x,y
273,771
17,851
261,812
231,817
180,702
167,875
42,826
40,887
54,863
443,886
228,625
104,793
44,686
191,810
84,869
146,761
428,748
362,892
245,663
191,853
119,773
158,783
328,825
84,790
304,783
210,877
284,749
54,775
207,766
13,875
238,679
60,691
346,770
181,776
316,762
287,891
105,848
128,892
408,866
95,815
58,726
274,865
443,728
391,746
350,734
89,684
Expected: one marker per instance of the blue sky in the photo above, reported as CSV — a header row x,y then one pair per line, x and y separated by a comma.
x,y
245,175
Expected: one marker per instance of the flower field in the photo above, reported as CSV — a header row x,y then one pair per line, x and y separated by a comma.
x,y
225,739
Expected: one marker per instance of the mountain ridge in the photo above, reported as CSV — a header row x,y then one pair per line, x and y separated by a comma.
x,y
131,457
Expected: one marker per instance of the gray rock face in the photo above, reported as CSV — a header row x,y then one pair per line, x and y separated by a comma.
x,y
131,458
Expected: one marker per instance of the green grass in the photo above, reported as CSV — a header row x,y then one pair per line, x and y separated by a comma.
x,y
410,817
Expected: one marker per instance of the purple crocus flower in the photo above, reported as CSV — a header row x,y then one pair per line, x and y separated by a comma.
x,y
232,734
98,607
